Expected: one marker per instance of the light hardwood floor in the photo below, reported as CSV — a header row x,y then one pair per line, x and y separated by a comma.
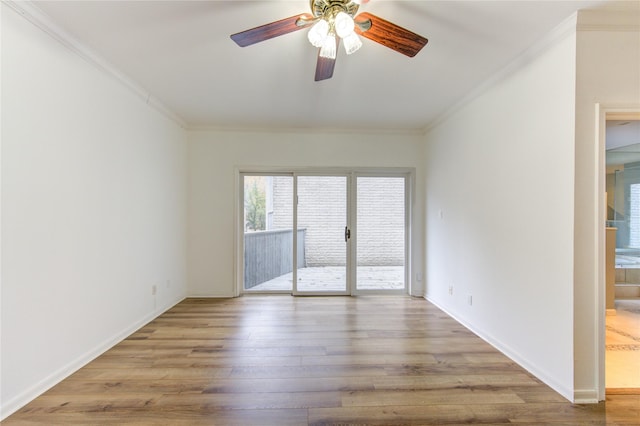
x,y
623,348
281,360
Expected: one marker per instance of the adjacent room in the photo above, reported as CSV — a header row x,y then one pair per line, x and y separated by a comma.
x,y
319,212
623,273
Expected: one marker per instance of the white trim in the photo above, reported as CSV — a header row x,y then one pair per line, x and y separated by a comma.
x,y
20,400
407,176
294,228
600,301
506,350
600,269
410,203
348,247
583,20
210,296
238,241
564,29
2,410
238,258
379,171
585,396
352,248
608,20
37,17
308,130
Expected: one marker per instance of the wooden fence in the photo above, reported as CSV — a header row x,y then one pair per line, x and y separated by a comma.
x,y
269,254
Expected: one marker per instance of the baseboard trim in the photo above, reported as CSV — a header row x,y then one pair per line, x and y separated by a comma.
x,y
585,396
523,362
622,391
212,296
17,402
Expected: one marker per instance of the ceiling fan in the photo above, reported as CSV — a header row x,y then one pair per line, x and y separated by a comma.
x,y
333,21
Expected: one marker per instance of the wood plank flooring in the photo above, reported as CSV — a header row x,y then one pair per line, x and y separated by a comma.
x,y
281,360
623,348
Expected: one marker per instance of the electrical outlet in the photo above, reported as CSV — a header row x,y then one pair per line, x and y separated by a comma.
x,y
154,290
470,299
418,276
451,290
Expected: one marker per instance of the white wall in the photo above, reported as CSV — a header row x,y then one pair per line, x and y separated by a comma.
x,y
214,157
93,211
608,72
499,211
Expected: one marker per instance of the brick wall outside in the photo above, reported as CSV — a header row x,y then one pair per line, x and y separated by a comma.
x,y
380,221
322,211
281,209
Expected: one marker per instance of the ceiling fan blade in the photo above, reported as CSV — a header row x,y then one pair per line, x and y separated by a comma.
x,y
273,29
390,35
324,66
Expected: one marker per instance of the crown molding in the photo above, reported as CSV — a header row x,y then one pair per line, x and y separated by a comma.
x,y
37,17
306,129
560,32
619,20
609,20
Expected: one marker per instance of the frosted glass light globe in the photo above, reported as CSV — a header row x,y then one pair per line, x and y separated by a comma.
x,y
318,33
352,43
328,49
344,25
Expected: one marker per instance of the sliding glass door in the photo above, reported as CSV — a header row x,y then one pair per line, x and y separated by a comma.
x,y
267,233
381,233
324,234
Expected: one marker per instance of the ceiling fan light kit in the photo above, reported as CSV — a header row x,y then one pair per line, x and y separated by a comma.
x,y
333,21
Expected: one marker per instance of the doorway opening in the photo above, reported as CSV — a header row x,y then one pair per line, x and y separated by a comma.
x,y
622,281
323,233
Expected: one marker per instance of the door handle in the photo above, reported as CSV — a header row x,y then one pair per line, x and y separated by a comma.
x,y
347,234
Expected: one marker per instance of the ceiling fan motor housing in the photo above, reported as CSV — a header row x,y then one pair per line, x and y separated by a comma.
x,y
329,8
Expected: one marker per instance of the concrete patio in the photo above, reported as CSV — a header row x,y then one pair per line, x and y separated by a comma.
x,y
333,279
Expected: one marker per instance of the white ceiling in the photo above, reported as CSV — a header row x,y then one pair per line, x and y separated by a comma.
x,y
181,54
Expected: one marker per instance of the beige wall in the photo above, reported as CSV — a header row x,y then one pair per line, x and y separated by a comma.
x,y
94,192
216,156
93,211
499,194
551,224
608,72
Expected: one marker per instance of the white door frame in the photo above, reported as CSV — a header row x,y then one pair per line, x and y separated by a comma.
x,y
349,243
407,229
240,171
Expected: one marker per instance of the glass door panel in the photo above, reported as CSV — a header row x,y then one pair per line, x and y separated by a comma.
x,y
380,251
268,233
322,235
